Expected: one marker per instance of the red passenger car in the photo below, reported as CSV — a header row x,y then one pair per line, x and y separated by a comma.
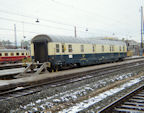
x,y
13,55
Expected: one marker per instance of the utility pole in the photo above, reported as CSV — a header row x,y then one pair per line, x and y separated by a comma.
x,y
75,32
141,27
15,36
141,48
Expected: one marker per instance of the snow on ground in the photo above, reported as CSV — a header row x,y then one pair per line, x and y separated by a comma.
x,y
11,71
19,88
72,95
7,72
135,56
2,83
86,103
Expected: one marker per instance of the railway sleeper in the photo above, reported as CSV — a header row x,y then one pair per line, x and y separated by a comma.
x,y
125,110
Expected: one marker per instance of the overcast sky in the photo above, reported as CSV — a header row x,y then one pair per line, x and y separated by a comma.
x,y
117,18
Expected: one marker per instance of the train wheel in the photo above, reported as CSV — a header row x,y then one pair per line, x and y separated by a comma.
x,y
78,65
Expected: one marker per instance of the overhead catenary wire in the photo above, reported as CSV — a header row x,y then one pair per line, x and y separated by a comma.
x,y
58,22
7,29
25,22
46,20
89,12
34,17
53,27
7,19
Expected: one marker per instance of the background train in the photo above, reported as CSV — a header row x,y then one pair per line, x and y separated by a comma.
x,y
63,51
13,55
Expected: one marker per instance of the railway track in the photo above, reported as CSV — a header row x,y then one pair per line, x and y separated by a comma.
x,y
8,76
37,86
130,103
11,66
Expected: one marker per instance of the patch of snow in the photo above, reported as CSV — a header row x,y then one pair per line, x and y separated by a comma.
x,y
3,82
82,105
31,104
56,100
11,71
135,56
34,109
38,101
49,104
73,94
42,107
23,107
88,89
18,88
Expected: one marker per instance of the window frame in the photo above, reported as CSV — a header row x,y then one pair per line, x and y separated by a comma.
x,y
123,48
113,49
57,48
110,48
5,54
102,48
17,54
82,48
11,54
70,48
120,49
63,48
94,48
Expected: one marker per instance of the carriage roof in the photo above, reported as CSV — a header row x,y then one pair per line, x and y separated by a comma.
x,y
70,39
13,50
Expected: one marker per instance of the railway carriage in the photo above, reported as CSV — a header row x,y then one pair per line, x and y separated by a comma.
x,y
13,55
63,51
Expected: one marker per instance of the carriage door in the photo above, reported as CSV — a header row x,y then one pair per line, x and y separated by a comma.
x,y
41,51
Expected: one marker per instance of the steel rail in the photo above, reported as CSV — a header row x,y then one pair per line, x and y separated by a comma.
x,y
12,75
132,102
27,89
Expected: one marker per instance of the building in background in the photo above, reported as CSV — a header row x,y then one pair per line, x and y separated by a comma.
x,y
133,48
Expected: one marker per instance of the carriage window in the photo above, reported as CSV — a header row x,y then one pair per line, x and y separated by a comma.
x,y
112,47
123,48
12,54
17,54
82,48
6,54
0,54
70,48
119,48
63,48
57,48
22,53
94,48
102,48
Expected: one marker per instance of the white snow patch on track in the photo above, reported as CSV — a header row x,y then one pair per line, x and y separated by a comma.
x,y
86,103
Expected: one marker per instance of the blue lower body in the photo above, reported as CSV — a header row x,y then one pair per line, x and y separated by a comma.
x,y
85,59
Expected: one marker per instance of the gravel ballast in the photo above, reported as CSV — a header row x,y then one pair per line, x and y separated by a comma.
x,y
59,98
